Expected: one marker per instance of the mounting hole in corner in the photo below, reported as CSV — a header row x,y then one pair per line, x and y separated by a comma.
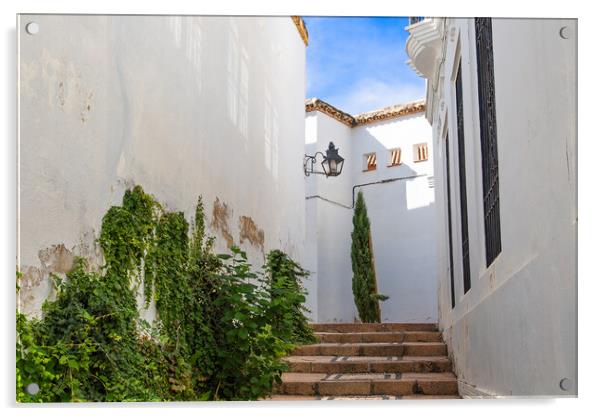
x,y
32,388
32,28
565,32
566,384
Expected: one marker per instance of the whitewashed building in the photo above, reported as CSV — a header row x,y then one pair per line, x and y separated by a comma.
x,y
388,157
181,105
501,97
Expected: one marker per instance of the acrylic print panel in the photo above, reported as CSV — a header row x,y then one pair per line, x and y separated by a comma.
x,y
172,248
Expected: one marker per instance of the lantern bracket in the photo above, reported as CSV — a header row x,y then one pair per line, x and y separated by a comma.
x,y
312,161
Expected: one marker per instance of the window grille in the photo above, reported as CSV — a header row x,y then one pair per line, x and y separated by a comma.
x,y
489,157
449,225
462,174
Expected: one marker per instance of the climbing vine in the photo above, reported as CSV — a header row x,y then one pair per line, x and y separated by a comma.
x,y
221,328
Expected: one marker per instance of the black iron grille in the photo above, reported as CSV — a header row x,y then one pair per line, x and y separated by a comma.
x,y
487,118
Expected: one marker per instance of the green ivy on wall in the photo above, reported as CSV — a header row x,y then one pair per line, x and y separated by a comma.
x,y
221,330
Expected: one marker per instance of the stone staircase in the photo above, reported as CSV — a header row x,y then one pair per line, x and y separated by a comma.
x,y
386,361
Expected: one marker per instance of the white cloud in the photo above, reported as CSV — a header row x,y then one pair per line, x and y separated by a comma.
x,y
372,94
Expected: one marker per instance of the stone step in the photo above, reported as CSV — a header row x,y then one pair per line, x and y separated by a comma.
x,y
367,364
396,336
422,336
367,384
382,327
373,349
284,397
335,337
424,348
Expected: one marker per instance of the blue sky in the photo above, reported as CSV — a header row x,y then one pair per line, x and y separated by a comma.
x,y
358,64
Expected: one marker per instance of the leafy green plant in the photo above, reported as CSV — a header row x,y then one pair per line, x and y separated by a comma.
x,y
362,262
221,332
285,281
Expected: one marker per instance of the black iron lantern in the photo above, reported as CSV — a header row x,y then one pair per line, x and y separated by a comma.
x,y
332,163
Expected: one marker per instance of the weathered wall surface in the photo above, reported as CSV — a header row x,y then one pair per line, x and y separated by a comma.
x,y
183,106
514,331
401,213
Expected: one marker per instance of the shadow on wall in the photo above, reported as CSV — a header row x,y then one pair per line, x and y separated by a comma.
x,y
400,202
402,215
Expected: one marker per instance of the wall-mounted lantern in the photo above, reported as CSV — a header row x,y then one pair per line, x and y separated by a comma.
x,y
332,163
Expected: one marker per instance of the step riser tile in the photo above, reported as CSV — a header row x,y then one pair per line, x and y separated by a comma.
x,y
422,337
374,387
410,367
297,367
352,338
340,367
384,337
353,350
371,350
299,388
392,387
385,327
425,350
443,387
332,338
307,350
381,350
344,388
340,350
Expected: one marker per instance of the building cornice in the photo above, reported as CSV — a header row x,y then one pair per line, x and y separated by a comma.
x,y
300,24
315,104
387,113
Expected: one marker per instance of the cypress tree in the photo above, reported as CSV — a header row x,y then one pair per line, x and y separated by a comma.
x,y
362,262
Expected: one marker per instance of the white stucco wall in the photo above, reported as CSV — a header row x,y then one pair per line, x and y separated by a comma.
x,y
183,106
329,222
402,216
401,213
515,331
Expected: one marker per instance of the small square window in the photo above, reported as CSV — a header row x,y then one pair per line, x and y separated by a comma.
x,y
421,152
369,162
395,157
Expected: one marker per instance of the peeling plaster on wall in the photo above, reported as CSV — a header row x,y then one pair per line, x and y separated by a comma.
x,y
250,232
34,286
66,89
56,259
221,215
35,283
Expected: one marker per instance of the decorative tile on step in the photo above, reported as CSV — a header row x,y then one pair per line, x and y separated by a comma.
x,y
367,364
368,384
372,349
